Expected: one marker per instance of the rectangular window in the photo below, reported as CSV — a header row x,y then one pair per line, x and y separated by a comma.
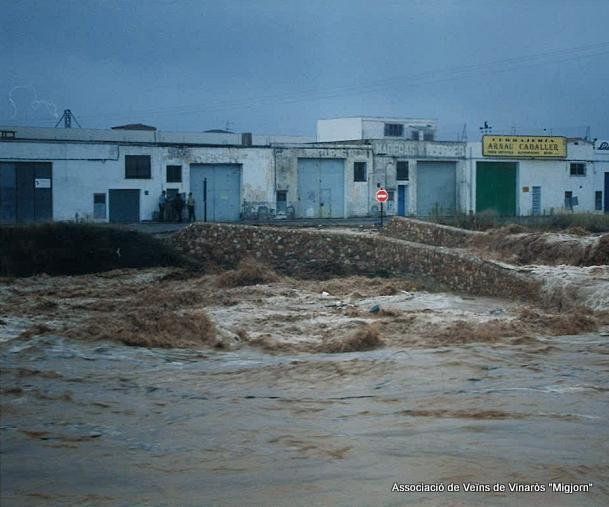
x,y
577,169
390,195
174,174
137,166
99,205
414,135
598,200
359,171
394,130
428,135
402,170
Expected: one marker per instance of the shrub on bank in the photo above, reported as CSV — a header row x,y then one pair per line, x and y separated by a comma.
x,y
73,249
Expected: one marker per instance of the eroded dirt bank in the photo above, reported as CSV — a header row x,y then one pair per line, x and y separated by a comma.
x,y
254,306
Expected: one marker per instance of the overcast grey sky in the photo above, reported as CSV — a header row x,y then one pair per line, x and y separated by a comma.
x,y
275,66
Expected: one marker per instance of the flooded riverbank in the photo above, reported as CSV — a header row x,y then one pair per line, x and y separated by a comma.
x,y
105,424
451,389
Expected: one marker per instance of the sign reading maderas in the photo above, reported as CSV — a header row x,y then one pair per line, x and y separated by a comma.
x,y
524,146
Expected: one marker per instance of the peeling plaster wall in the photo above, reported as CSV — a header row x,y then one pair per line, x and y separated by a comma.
x,y
257,169
286,166
388,152
553,176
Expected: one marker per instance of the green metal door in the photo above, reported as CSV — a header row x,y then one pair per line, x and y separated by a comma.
x,y
496,187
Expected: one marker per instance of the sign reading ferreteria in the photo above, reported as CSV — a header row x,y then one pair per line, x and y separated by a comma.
x,y
524,146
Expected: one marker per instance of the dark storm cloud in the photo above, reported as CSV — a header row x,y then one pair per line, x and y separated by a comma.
x,y
276,66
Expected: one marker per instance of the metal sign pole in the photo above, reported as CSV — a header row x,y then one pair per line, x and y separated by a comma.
x,y
381,214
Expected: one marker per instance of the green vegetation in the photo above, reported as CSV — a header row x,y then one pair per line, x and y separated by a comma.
x,y
72,249
590,222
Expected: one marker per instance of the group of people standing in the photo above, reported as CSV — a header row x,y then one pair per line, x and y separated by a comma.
x,y
171,208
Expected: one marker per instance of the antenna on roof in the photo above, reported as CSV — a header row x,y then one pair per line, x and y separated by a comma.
x,y
67,118
486,128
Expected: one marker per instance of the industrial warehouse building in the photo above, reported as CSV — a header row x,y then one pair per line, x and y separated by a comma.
x,y
117,175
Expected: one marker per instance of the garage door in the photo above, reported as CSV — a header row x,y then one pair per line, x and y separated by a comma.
x,y
496,187
216,189
25,191
124,205
436,188
321,188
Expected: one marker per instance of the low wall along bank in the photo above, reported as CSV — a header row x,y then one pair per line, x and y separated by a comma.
x,y
331,253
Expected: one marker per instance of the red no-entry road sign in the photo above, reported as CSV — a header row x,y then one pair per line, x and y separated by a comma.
x,y
382,195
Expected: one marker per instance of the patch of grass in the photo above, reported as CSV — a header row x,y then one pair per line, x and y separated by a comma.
x,y
74,249
576,223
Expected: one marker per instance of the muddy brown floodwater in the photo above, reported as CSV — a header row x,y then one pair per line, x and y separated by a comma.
x,y
96,422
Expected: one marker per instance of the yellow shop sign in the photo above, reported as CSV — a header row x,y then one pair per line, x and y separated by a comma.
x,y
524,146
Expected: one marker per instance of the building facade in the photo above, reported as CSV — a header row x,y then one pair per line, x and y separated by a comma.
x,y
117,175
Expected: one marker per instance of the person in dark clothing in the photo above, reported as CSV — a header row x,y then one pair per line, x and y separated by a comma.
x,y
178,202
162,204
190,204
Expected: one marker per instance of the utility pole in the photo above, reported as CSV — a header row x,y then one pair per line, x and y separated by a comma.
x,y
464,133
67,118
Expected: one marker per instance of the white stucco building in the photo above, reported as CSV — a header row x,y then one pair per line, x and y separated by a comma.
x,y
117,175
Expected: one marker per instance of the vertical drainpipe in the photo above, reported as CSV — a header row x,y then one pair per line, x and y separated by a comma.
x,y
274,195
471,181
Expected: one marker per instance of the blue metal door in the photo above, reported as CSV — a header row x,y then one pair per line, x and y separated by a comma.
x,y
321,188
216,189
124,205
606,193
436,188
536,200
402,200
25,192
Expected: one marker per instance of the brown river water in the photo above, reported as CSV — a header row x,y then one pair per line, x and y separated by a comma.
x,y
106,424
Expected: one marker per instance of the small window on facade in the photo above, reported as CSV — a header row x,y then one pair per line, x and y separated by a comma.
x,y
390,195
174,174
414,135
402,170
359,171
394,130
428,135
598,200
99,205
137,166
577,169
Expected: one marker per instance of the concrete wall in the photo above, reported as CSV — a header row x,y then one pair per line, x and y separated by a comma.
x,y
388,152
428,233
351,129
83,169
552,175
339,129
333,253
356,193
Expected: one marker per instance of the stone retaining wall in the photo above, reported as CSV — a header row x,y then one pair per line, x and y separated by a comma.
x,y
428,233
297,252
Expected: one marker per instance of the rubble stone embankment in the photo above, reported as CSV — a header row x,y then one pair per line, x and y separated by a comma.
x,y
311,252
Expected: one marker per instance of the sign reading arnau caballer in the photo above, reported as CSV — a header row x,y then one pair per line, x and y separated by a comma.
x,y
524,146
